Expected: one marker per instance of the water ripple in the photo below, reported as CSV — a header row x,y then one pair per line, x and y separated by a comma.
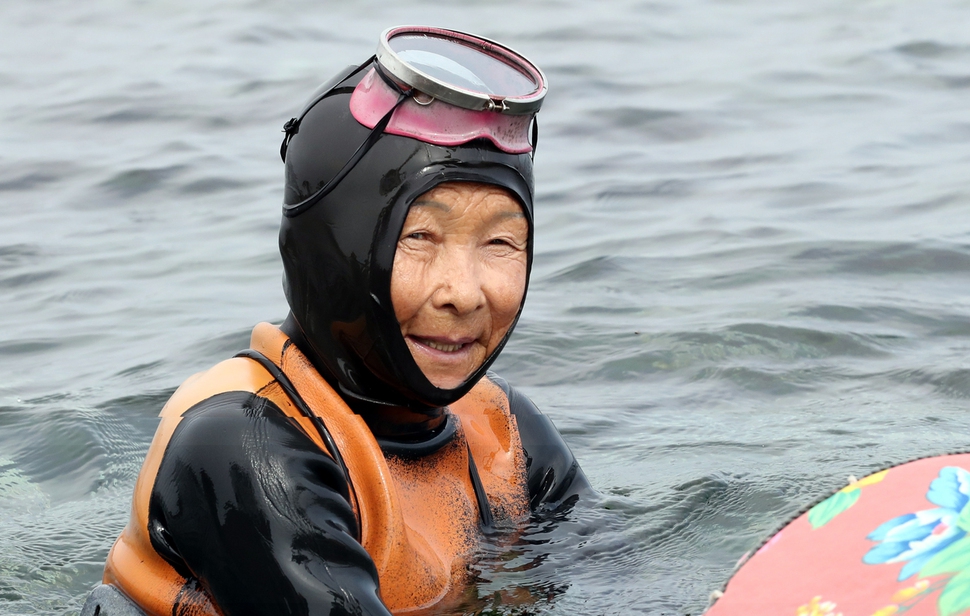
x,y
751,263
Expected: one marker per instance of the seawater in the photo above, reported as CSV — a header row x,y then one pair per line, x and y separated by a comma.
x,y
752,266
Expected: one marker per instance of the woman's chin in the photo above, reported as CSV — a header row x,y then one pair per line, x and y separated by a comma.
x,y
447,381
447,377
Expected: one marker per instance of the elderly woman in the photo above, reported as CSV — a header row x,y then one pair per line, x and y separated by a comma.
x,y
349,462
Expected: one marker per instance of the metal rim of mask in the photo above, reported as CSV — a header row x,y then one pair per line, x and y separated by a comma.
x,y
462,69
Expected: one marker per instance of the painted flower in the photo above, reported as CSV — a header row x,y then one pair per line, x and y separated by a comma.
x,y
817,607
905,594
914,538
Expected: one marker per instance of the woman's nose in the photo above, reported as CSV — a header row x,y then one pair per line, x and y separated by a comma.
x,y
458,284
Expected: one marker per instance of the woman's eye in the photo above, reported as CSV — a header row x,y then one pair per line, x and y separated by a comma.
x,y
505,241
417,235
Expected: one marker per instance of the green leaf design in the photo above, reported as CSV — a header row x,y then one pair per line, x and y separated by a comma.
x,y
955,598
955,557
824,512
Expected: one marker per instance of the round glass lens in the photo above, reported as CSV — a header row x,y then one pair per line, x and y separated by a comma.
x,y
461,65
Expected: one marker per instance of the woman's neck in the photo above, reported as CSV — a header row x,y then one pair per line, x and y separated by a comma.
x,y
386,421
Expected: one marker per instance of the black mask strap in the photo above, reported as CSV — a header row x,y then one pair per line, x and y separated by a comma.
x,y
292,125
375,134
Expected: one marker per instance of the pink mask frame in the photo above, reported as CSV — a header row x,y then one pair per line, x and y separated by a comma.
x,y
437,122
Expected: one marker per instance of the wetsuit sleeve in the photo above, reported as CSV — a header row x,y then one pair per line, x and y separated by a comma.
x,y
553,474
245,503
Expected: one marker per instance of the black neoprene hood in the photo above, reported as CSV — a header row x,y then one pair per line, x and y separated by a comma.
x,y
339,252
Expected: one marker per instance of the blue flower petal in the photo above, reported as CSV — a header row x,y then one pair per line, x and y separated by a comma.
x,y
951,489
914,565
885,552
964,488
880,533
926,553
917,529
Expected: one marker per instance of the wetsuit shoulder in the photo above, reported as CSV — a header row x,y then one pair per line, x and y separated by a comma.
x,y
554,476
246,503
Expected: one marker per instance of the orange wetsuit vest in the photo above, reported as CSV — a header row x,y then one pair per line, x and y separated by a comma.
x,y
417,518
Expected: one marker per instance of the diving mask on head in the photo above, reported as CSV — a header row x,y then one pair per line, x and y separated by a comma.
x,y
438,86
433,106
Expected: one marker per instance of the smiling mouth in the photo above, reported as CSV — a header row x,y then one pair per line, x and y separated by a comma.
x,y
441,346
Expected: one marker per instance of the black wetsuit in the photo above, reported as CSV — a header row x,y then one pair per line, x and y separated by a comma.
x,y
245,503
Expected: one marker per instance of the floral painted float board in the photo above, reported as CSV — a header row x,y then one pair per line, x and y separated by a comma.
x,y
895,542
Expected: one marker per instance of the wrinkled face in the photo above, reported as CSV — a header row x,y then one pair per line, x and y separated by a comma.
x,y
459,277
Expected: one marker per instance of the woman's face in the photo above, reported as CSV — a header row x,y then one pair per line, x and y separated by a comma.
x,y
459,277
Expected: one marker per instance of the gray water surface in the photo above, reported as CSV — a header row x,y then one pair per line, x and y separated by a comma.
x,y
752,265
